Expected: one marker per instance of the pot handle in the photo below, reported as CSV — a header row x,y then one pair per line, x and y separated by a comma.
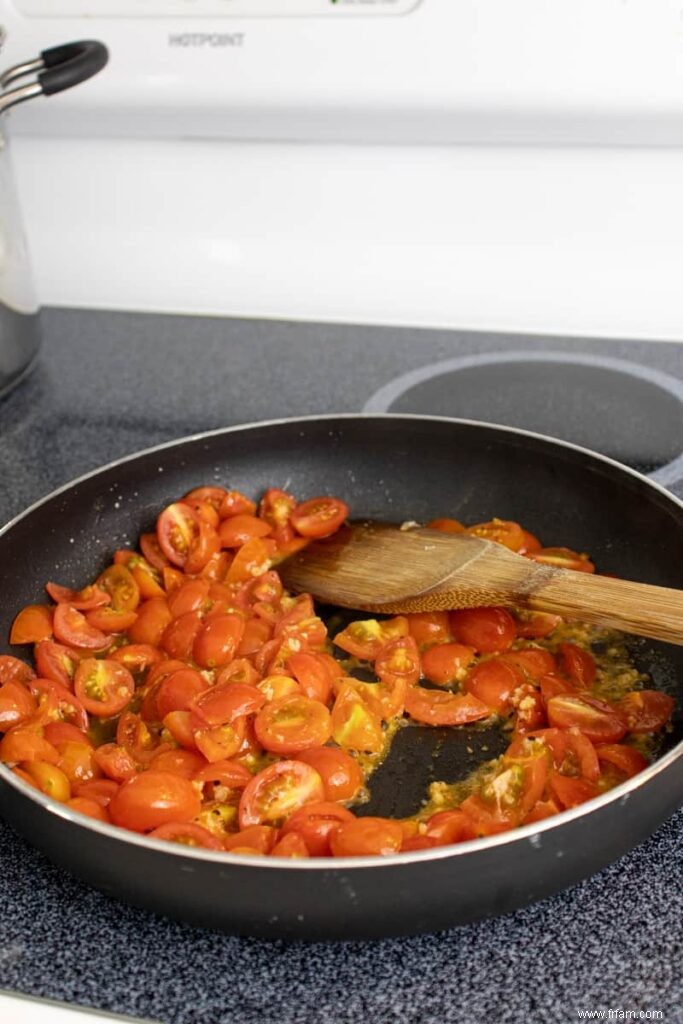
x,y
71,64
58,68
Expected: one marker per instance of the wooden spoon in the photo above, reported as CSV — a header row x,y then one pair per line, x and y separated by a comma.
x,y
383,568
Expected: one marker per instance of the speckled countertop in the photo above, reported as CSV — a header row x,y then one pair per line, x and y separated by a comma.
x,y
108,384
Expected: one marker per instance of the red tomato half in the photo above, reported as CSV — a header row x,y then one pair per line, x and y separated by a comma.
x,y
488,630
89,597
71,627
439,707
645,710
493,682
596,719
277,791
152,799
32,624
104,687
187,833
319,517
342,778
365,837
315,824
292,724
446,663
177,528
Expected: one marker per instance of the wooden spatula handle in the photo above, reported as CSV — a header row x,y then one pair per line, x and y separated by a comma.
x,y
640,608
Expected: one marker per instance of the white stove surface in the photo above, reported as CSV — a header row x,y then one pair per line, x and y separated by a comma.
x,y
22,1010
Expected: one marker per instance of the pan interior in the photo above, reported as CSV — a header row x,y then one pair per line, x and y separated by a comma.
x,y
389,468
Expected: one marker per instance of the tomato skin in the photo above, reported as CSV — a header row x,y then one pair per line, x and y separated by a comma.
x,y
313,675
488,630
17,704
427,628
341,776
119,583
399,659
578,664
136,657
178,691
83,600
437,707
203,548
585,754
50,779
31,625
133,734
216,643
109,620
214,496
191,596
259,838
290,845
596,719
24,743
448,827
180,634
57,703
534,662
226,774
319,517
90,808
364,837
77,761
71,627
314,823
178,762
274,793
154,616
238,529
446,526
571,792
55,661
187,833
645,710
101,791
65,732
226,702
251,560
292,724
500,531
493,682
535,625
116,762
104,687
152,799
177,527
221,742
531,544
152,553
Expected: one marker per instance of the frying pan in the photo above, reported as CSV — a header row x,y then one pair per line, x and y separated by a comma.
x,y
391,468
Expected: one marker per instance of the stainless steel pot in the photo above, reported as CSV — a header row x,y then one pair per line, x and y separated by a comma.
x,y
56,69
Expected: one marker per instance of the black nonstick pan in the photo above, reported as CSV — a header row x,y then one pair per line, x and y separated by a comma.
x,y
391,468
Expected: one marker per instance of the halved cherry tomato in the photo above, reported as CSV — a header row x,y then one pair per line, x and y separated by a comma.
x,y
151,550
55,661
531,544
64,732
103,686
563,558
535,625
203,548
448,827
152,799
17,705
83,600
101,791
342,778
585,754
57,703
275,687
314,823
137,657
153,617
291,845
138,739
179,762
26,743
446,526
533,661
553,685
292,724
148,579
178,691
71,627
252,559
217,641
427,628
439,707
365,638
446,663
238,671
237,530
364,837
187,833
214,496
399,659
177,528
319,517
258,838
32,624
119,583
596,719
645,710
571,792
191,596
226,702
493,682
180,634
77,761
355,725
13,670
223,774
627,760
529,708
313,674
501,531
274,793
235,503
109,620
488,630
171,579
50,779
90,808
221,742
578,664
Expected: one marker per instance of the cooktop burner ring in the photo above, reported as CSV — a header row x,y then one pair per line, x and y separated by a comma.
x,y
385,399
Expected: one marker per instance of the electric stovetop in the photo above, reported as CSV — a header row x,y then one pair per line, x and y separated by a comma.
x,y
108,384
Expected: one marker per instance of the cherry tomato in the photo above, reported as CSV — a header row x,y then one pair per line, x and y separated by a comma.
x,y
214,496
501,531
118,582
585,754
274,793
238,671
563,558
553,685
77,761
446,526
355,725
90,808
64,732
493,682
531,544
275,687
596,719
203,548
136,658
364,837
223,775
488,630
448,827
116,762
534,662
226,702
252,559
26,743
365,638
217,641
13,670
32,624
571,792
135,736
101,791
427,628
178,762
439,707
626,759
83,600
237,530
152,799
399,659
151,550
190,596
219,743
147,578
153,617
529,708
314,823
535,625
50,779
55,661
178,690
177,528
104,687
109,620
645,710
313,674
341,776
234,504
71,627
291,845
187,833
578,664
446,662
319,517
57,703
179,636
17,705
292,724
256,838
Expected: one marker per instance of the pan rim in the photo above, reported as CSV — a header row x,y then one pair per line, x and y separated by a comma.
x,y
526,833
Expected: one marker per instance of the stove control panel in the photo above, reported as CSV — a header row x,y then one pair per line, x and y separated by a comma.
x,y
213,8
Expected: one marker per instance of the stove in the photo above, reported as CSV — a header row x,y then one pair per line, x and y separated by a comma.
x,y
109,383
